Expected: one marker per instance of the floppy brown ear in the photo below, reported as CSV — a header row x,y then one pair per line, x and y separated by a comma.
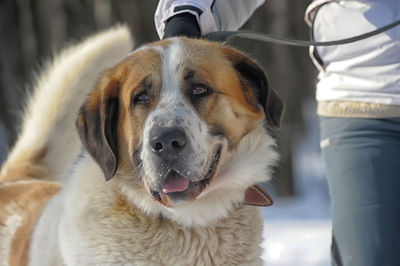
x,y
97,126
254,75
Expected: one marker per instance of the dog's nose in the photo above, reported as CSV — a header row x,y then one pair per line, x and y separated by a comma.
x,y
167,142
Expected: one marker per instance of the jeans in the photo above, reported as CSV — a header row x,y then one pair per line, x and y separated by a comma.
x,y
362,160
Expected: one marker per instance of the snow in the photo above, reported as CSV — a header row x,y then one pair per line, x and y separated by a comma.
x,y
296,242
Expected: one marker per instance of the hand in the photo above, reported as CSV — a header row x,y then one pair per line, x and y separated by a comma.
x,y
183,24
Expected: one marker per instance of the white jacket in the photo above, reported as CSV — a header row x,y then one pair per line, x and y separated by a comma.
x,y
361,79
365,72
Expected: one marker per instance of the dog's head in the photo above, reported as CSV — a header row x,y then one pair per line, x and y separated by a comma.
x,y
179,126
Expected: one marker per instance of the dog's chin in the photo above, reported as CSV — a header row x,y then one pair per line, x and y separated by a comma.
x,y
177,188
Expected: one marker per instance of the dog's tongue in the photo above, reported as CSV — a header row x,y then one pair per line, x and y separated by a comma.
x,y
175,183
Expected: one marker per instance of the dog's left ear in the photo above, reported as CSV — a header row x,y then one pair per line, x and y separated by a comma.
x,y
97,125
255,76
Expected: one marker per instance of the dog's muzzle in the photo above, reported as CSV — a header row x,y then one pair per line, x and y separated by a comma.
x,y
173,153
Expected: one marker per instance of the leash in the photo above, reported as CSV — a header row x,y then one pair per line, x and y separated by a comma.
x,y
226,36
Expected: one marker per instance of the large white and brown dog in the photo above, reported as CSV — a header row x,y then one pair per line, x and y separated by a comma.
x,y
160,166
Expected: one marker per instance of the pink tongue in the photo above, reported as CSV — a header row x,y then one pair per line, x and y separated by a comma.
x,y
175,183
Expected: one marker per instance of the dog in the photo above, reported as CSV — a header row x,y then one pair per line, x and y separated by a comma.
x,y
148,157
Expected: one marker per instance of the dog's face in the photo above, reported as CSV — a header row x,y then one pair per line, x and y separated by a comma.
x,y
172,117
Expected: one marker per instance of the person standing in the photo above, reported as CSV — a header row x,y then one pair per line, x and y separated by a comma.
x,y
358,94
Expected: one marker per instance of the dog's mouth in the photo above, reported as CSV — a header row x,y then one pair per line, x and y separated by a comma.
x,y
177,187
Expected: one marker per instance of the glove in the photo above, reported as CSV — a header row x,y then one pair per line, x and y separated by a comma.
x,y
183,24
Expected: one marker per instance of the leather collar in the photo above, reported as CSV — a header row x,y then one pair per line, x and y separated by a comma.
x,y
257,196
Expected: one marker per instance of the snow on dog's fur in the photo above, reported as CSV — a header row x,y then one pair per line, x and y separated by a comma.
x,y
174,135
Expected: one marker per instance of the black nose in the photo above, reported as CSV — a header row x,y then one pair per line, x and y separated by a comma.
x,y
167,142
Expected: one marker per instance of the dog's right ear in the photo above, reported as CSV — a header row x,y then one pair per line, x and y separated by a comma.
x,y
97,125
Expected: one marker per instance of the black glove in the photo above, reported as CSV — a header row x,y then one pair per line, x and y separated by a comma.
x,y
184,24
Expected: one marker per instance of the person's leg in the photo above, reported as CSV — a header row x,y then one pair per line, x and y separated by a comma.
x,y
362,160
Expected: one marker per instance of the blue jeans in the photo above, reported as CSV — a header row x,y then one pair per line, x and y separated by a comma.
x,y
362,160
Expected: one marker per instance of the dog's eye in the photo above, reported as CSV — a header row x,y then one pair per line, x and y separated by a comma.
x,y
142,98
200,91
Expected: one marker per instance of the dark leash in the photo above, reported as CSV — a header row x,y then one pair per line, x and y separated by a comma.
x,y
226,36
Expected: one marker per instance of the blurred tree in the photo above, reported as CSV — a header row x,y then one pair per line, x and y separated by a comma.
x,y
31,31
11,65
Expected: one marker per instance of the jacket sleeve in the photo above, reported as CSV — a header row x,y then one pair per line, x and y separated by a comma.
x,y
211,15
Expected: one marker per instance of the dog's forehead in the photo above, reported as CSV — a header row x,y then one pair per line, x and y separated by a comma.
x,y
172,101
162,50
173,56
177,54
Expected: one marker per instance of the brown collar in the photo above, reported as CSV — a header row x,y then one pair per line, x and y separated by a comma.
x,y
257,196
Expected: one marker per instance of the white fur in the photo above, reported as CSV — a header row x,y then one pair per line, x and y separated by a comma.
x,y
251,164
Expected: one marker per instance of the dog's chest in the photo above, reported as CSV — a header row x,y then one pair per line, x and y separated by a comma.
x,y
141,240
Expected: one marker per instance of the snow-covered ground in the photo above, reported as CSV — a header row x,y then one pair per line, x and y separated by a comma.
x,y
297,230
296,243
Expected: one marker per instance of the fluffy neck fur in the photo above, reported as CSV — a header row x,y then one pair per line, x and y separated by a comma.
x,y
249,165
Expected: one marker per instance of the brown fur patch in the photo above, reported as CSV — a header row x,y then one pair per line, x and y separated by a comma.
x,y
26,198
233,106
